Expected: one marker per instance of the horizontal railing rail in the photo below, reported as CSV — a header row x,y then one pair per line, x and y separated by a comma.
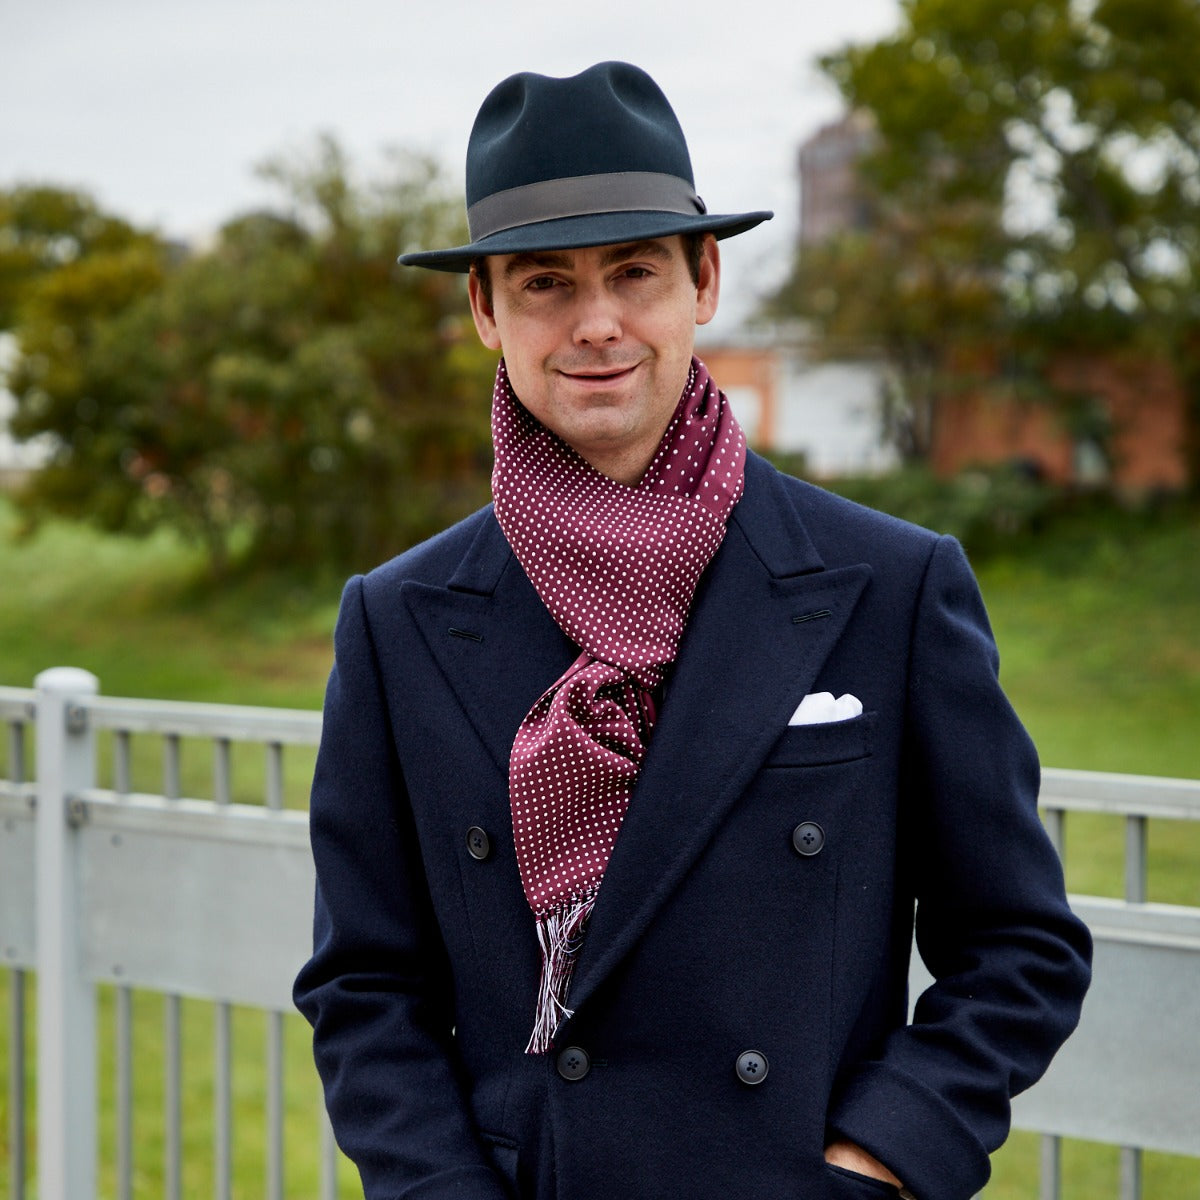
x,y
126,890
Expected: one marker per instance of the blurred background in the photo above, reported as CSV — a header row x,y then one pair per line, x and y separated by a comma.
x,y
977,308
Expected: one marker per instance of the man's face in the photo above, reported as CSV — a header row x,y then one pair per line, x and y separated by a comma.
x,y
598,341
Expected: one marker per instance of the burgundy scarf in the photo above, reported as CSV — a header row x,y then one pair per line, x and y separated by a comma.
x,y
617,568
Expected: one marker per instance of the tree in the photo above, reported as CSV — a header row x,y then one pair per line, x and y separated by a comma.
x,y
44,228
289,394
1035,185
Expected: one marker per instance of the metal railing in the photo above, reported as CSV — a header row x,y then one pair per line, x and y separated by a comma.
x,y
137,890
131,889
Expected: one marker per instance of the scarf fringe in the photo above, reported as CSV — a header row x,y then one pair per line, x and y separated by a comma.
x,y
560,935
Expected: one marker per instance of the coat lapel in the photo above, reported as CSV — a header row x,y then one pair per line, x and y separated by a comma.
x,y
493,640
764,620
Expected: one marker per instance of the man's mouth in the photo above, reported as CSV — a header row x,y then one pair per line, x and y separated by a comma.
x,y
600,375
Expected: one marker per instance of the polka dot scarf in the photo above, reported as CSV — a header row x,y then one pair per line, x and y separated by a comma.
x,y
617,568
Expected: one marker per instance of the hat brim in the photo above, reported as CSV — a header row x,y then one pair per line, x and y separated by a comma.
x,y
572,233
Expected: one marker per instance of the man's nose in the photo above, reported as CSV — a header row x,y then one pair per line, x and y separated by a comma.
x,y
598,316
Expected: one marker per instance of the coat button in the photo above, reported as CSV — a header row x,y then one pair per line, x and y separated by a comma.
x,y
808,838
573,1063
479,845
752,1067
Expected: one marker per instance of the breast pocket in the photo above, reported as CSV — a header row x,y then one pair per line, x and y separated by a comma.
x,y
823,745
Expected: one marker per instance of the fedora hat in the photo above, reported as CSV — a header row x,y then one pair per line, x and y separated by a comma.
x,y
597,158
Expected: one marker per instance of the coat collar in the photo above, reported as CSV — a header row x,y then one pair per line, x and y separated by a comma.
x,y
765,617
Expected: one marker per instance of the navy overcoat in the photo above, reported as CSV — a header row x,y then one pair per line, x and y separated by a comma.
x,y
741,997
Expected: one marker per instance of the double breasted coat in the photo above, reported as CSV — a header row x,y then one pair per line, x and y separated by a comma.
x,y
741,993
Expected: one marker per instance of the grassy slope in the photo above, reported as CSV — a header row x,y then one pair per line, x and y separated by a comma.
x,y
145,618
1099,631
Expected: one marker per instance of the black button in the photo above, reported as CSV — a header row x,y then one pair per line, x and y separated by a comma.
x,y
808,838
752,1067
479,845
573,1063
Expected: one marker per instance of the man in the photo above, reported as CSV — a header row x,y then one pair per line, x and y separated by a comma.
x,y
630,783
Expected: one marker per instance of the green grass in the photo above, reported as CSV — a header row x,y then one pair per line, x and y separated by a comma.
x,y
1099,634
1099,630
146,618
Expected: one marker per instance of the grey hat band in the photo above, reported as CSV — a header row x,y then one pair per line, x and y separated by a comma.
x,y
579,196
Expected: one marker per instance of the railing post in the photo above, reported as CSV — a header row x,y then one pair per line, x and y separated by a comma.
x,y
66,1015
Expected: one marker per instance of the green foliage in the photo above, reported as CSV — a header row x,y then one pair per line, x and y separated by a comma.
x,y
1033,185
45,228
287,395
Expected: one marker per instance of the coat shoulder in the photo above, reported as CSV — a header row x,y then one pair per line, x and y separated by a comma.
x,y
435,560
844,531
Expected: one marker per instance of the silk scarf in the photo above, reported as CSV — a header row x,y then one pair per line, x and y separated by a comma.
x,y
617,567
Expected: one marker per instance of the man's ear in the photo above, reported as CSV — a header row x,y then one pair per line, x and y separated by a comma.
x,y
708,286
482,312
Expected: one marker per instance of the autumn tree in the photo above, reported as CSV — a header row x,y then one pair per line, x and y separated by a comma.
x,y
288,394
1034,185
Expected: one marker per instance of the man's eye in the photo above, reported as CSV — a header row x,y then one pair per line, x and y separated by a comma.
x,y
541,283
637,272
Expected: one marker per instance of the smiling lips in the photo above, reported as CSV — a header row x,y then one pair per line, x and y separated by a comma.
x,y
607,375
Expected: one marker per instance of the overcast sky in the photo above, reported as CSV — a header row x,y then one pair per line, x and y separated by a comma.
x,y
162,108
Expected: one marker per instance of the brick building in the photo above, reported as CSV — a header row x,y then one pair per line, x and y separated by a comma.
x,y
1122,420
1122,423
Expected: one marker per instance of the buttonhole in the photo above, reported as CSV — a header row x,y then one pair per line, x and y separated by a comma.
x,y
466,633
812,616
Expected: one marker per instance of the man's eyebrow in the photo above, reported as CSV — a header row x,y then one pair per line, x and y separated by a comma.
x,y
534,259
645,249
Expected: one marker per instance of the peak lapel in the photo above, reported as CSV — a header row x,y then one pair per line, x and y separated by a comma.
x,y
492,638
765,619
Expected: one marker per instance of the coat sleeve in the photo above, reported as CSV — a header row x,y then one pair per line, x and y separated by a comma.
x,y
1010,961
377,989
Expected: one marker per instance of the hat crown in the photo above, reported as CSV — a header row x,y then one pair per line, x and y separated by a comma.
x,y
610,118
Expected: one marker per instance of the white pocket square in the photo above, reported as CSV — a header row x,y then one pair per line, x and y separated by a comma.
x,y
819,708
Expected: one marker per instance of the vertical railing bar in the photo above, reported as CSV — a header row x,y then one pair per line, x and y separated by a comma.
x,y
222,771
222,1016
275,1105
173,1098
16,1012
122,770
1055,820
173,1166
171,772
274,775
329,1158
223,1102
1051,1167
1131,1173
16,751
16,1082
66,1108
1135,858
124,1020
